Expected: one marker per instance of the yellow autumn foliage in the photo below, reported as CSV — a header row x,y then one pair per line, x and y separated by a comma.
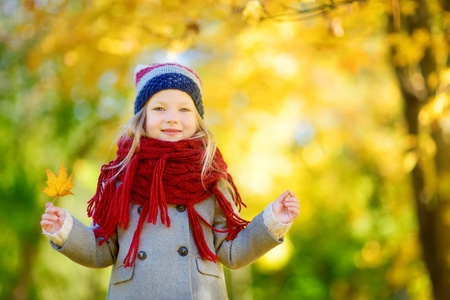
x,y
59,186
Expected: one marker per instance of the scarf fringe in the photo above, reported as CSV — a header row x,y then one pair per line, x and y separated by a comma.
x,y
234,222
157,194
198,234
103,212
149,209
124,203
132,252
238,200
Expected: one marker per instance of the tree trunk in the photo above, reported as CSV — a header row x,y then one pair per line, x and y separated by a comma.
x,y
440,260
432,199
23,282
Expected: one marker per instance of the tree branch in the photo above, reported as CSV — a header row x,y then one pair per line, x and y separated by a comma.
x,y
306,11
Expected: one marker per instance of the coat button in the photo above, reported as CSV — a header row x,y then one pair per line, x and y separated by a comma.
x,y
183,251
142,255
139,210
181,208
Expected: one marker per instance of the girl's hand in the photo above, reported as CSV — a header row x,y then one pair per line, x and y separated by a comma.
x,y
286,207
53,219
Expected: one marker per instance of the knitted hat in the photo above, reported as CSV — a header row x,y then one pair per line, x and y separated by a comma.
x,y
158,77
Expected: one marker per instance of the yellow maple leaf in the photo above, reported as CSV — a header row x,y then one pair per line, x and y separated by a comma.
x,y
58,186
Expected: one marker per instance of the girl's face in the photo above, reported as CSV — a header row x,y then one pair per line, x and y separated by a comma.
x,y
170,116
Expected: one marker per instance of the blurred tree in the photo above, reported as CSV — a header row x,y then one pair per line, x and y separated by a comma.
x,y
419,35
420,43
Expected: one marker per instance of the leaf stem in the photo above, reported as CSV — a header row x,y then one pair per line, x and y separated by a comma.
x,y
55,199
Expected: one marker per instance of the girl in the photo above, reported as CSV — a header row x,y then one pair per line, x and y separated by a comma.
x,y
168,165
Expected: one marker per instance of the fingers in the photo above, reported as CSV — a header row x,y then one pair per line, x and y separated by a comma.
x,y
47,225
286,207
281,198
52,215
49,217
286,193
60,212
294,210
292,204
291,198
51,209
47,222
288,199
292,194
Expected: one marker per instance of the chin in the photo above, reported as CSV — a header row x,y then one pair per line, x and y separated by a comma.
x,y
171,139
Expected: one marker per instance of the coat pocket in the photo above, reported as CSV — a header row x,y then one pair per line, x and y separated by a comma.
x,y
209,268
121,274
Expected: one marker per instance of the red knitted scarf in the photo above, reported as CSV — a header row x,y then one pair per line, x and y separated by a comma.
x,y
161,172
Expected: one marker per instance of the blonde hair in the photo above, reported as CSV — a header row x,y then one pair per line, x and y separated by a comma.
x,y
135,129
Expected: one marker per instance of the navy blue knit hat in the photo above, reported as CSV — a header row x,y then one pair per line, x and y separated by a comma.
x,y
158,77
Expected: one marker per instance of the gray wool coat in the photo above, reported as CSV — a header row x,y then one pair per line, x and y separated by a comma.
x,y
168,265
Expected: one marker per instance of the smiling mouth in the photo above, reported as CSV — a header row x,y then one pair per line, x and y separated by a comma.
x,y
171,131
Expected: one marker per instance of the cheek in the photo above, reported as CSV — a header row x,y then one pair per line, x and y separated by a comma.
x,y
195,125
150,125
191,126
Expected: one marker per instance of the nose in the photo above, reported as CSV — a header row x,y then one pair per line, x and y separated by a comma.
x,y
171,117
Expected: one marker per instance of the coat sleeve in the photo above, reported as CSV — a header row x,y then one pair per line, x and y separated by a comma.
x,y
82,247
250,244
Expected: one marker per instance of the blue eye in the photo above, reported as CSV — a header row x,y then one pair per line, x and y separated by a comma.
x,y
184,110
158,108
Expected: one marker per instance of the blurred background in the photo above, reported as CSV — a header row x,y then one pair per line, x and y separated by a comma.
x,y
344,102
